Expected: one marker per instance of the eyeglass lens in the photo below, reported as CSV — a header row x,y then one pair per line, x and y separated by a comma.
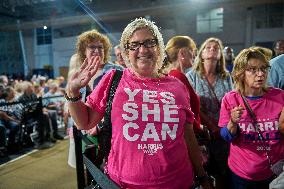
x,y
263,69
147,44
93,47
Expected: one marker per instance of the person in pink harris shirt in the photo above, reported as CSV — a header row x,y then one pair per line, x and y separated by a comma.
x,y
153,144
250,142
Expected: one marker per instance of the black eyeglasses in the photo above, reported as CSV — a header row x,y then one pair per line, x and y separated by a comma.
x,y
254,70
149,43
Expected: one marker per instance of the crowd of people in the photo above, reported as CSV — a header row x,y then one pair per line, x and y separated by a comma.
x,y
168,96
30,113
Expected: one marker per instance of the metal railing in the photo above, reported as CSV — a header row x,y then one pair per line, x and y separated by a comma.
x,y
94,177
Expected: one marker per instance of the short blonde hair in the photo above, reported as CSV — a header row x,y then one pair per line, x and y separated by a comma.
x,y
140,23
92,36
241,63
220,68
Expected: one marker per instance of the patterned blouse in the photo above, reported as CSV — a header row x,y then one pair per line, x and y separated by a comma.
x,y
208,102
13,110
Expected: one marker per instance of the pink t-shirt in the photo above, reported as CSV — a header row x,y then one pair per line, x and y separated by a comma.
x,y
148,118
247,156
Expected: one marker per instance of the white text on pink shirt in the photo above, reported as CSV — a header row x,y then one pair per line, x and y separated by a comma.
x,y
164,110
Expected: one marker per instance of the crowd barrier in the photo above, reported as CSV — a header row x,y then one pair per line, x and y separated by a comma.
x,y
91,177
28,132
39,99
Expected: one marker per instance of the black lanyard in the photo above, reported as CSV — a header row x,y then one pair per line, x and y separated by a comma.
x,y
252,115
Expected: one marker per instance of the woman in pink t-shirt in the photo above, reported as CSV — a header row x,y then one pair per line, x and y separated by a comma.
x,y
153,144
256,144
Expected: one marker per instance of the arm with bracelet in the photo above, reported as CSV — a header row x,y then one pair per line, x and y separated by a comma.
x,y
83,115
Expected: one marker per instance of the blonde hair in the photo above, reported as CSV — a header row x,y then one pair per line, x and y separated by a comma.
x,y
18,87
220,68
265,51
92,36
172,48
241,63
140,23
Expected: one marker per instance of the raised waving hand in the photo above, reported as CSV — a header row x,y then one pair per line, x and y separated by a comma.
x,y
81,77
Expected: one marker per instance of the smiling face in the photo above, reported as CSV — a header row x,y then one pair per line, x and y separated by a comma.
x,y
95,48
144,58
255,75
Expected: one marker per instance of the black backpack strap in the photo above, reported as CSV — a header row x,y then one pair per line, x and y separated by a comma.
x,y
116,79
105,127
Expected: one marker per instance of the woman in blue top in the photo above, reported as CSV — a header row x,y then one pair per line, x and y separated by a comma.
x,y
211,81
